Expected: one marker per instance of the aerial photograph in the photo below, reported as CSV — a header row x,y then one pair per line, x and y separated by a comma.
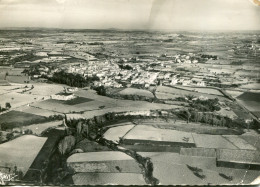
x,y
129,92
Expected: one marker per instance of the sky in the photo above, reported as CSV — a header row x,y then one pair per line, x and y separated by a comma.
x,y
132,14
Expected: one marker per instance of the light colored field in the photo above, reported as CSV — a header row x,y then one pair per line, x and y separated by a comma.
x,y
17,78
98,156
239,142
183,93
252,86
250,105
144,132
212,141
240,156
18,99
161,95
115,133
234,93
63,108
21,151
39,128
202,90
46,89
134,91
36,111
171,168
108,178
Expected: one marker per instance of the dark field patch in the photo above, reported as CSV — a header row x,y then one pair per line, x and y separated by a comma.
x,y
75,101
249,96
14,119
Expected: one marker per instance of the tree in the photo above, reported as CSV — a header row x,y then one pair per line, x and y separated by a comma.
x,y
9,136
7,105
66,144
188,114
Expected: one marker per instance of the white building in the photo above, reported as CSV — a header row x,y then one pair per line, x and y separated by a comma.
x,y
63,96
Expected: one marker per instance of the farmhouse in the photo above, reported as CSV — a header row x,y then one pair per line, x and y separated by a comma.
x,y
63,96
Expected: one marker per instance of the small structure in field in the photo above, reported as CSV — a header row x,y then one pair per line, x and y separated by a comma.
x,y
63,96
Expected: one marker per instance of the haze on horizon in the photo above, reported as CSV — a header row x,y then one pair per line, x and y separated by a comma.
x,y
132,14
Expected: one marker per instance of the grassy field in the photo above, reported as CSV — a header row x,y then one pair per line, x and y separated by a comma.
x,y
182,93
201,90
134,91
21,151
39,128
115,133
151,134
212,141
17,99
172,168
108,178
14,119
250,96
75,101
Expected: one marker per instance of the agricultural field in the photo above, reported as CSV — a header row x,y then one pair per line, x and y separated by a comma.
x,y
42,89
14,119
201,90
251,101
17,79
138,92
75,101
192,127
166,96
212,141
36,111
172,168
115,133
183,93
21,152
58,106
39,128
144,133
108,178
234,93
251,86
17,99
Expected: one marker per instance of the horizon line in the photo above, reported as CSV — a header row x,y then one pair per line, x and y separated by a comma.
x,y
122,29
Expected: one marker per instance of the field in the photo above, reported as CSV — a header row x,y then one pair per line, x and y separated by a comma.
x,y
17,99
98,156
14,119
166,96
250,96
191,127
43,89
239,142
144,133
17,78
21,151
39,128
252,86
251,101
115,133
58,106
212,141
134,91
182,93
172,168
201,90
36,111
108,178
75,101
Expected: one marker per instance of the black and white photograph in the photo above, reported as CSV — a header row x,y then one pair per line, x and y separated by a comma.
x,y
129,92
